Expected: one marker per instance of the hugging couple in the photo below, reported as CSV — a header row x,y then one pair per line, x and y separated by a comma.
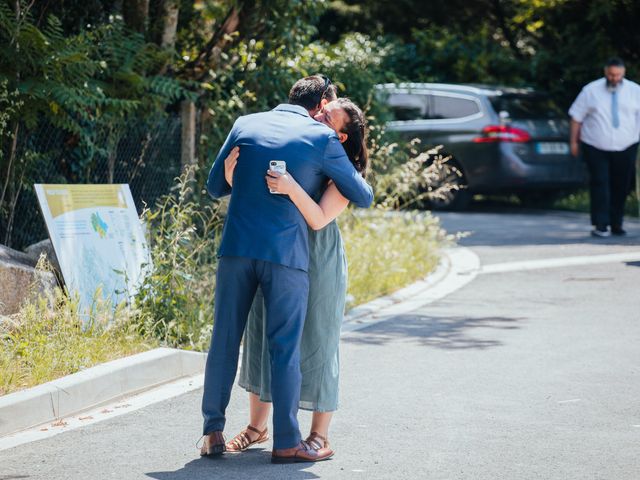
x,y
282,269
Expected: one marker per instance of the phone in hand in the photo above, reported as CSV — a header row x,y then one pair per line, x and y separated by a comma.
x,y
279,166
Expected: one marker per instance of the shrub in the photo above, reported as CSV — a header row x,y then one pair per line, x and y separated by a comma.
x,y
175,301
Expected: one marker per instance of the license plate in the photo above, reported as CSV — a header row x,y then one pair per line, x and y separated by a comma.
x,y
552,148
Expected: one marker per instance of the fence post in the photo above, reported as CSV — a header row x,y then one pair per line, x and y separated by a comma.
x,y
188,147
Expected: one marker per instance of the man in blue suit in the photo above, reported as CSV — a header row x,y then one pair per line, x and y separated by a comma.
x,y
264,242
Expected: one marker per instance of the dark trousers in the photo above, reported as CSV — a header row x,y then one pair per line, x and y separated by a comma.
x,y
286,291
609,181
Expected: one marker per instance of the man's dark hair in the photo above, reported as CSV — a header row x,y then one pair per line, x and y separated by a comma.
x,y
309,91
614,62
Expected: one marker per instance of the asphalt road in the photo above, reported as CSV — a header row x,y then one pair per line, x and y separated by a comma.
x,y
521,374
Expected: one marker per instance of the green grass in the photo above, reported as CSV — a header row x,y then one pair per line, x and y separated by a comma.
x,y
575,202
387,251
47,338
579,202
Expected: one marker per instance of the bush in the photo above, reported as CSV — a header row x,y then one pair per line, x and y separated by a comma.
x,y
175,302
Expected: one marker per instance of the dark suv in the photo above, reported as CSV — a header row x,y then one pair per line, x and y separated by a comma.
x,y
502,140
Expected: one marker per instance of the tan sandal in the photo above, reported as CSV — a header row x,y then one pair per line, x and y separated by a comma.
x,y
317,441
241,441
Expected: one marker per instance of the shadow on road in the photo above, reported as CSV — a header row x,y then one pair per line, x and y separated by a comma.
x,y
441,332
254,463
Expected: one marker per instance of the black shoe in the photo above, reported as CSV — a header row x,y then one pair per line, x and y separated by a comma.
x,y
618,231
600,231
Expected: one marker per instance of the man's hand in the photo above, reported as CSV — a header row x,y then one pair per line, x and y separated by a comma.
x,y
230,164
574,137
575,149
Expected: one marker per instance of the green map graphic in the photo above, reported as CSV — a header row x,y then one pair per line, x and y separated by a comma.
x,y
99,225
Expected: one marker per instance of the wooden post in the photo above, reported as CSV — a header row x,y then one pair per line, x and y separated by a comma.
x,y
188,147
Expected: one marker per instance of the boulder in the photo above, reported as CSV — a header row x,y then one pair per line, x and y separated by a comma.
x,y
44,246
19,279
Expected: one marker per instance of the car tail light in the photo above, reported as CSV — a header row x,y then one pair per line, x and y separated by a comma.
x,y
502,133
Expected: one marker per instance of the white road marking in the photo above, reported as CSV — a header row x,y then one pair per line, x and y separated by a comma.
x,y
560,262
573,400
104,412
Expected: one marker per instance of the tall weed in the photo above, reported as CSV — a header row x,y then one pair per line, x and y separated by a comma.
x,y
175,301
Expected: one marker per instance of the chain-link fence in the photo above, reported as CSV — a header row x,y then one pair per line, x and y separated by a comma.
x,y
146,155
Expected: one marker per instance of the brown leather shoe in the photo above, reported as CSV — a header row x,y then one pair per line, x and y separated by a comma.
x,y
213,445
303,452
242,441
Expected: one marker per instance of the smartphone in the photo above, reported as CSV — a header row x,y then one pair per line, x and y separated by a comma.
x,y
279,166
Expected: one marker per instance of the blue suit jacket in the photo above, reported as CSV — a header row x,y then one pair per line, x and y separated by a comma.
x,y
266,226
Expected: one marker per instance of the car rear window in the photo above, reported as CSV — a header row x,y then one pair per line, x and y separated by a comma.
x,y
417,106
407,106
445,106
529,107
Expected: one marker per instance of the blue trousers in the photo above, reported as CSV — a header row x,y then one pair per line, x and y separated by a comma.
x,y
285,292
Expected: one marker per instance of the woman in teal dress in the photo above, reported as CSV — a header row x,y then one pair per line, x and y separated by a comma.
x,y
319,355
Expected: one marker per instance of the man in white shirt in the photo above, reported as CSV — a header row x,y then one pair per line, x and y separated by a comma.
x,y
605,125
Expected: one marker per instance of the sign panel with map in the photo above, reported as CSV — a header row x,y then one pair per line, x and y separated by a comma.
x,y
97,237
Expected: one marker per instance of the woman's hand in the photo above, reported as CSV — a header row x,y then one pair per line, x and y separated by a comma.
x,y
280,183
230,164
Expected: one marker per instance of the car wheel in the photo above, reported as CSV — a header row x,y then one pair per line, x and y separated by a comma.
x,y
450,187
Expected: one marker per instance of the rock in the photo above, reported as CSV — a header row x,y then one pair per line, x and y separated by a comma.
x,y
44,246
14,256
19,279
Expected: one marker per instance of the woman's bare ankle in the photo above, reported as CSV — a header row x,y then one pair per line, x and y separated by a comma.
x,y
255,435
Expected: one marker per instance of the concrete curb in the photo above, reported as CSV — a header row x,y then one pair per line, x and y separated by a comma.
x,y
458,266
374,306
94,386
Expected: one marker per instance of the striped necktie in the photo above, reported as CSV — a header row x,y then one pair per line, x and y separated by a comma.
x,y
615,119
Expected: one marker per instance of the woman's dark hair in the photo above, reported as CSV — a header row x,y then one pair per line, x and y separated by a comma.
x,y
355,145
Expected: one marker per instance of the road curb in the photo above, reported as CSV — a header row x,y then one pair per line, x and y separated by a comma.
x,y
94,386
457,267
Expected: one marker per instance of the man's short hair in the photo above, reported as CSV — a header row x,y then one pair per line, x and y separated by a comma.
x,y
614,62
309,91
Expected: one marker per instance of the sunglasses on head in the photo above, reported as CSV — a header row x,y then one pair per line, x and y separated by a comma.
x,y
327,84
